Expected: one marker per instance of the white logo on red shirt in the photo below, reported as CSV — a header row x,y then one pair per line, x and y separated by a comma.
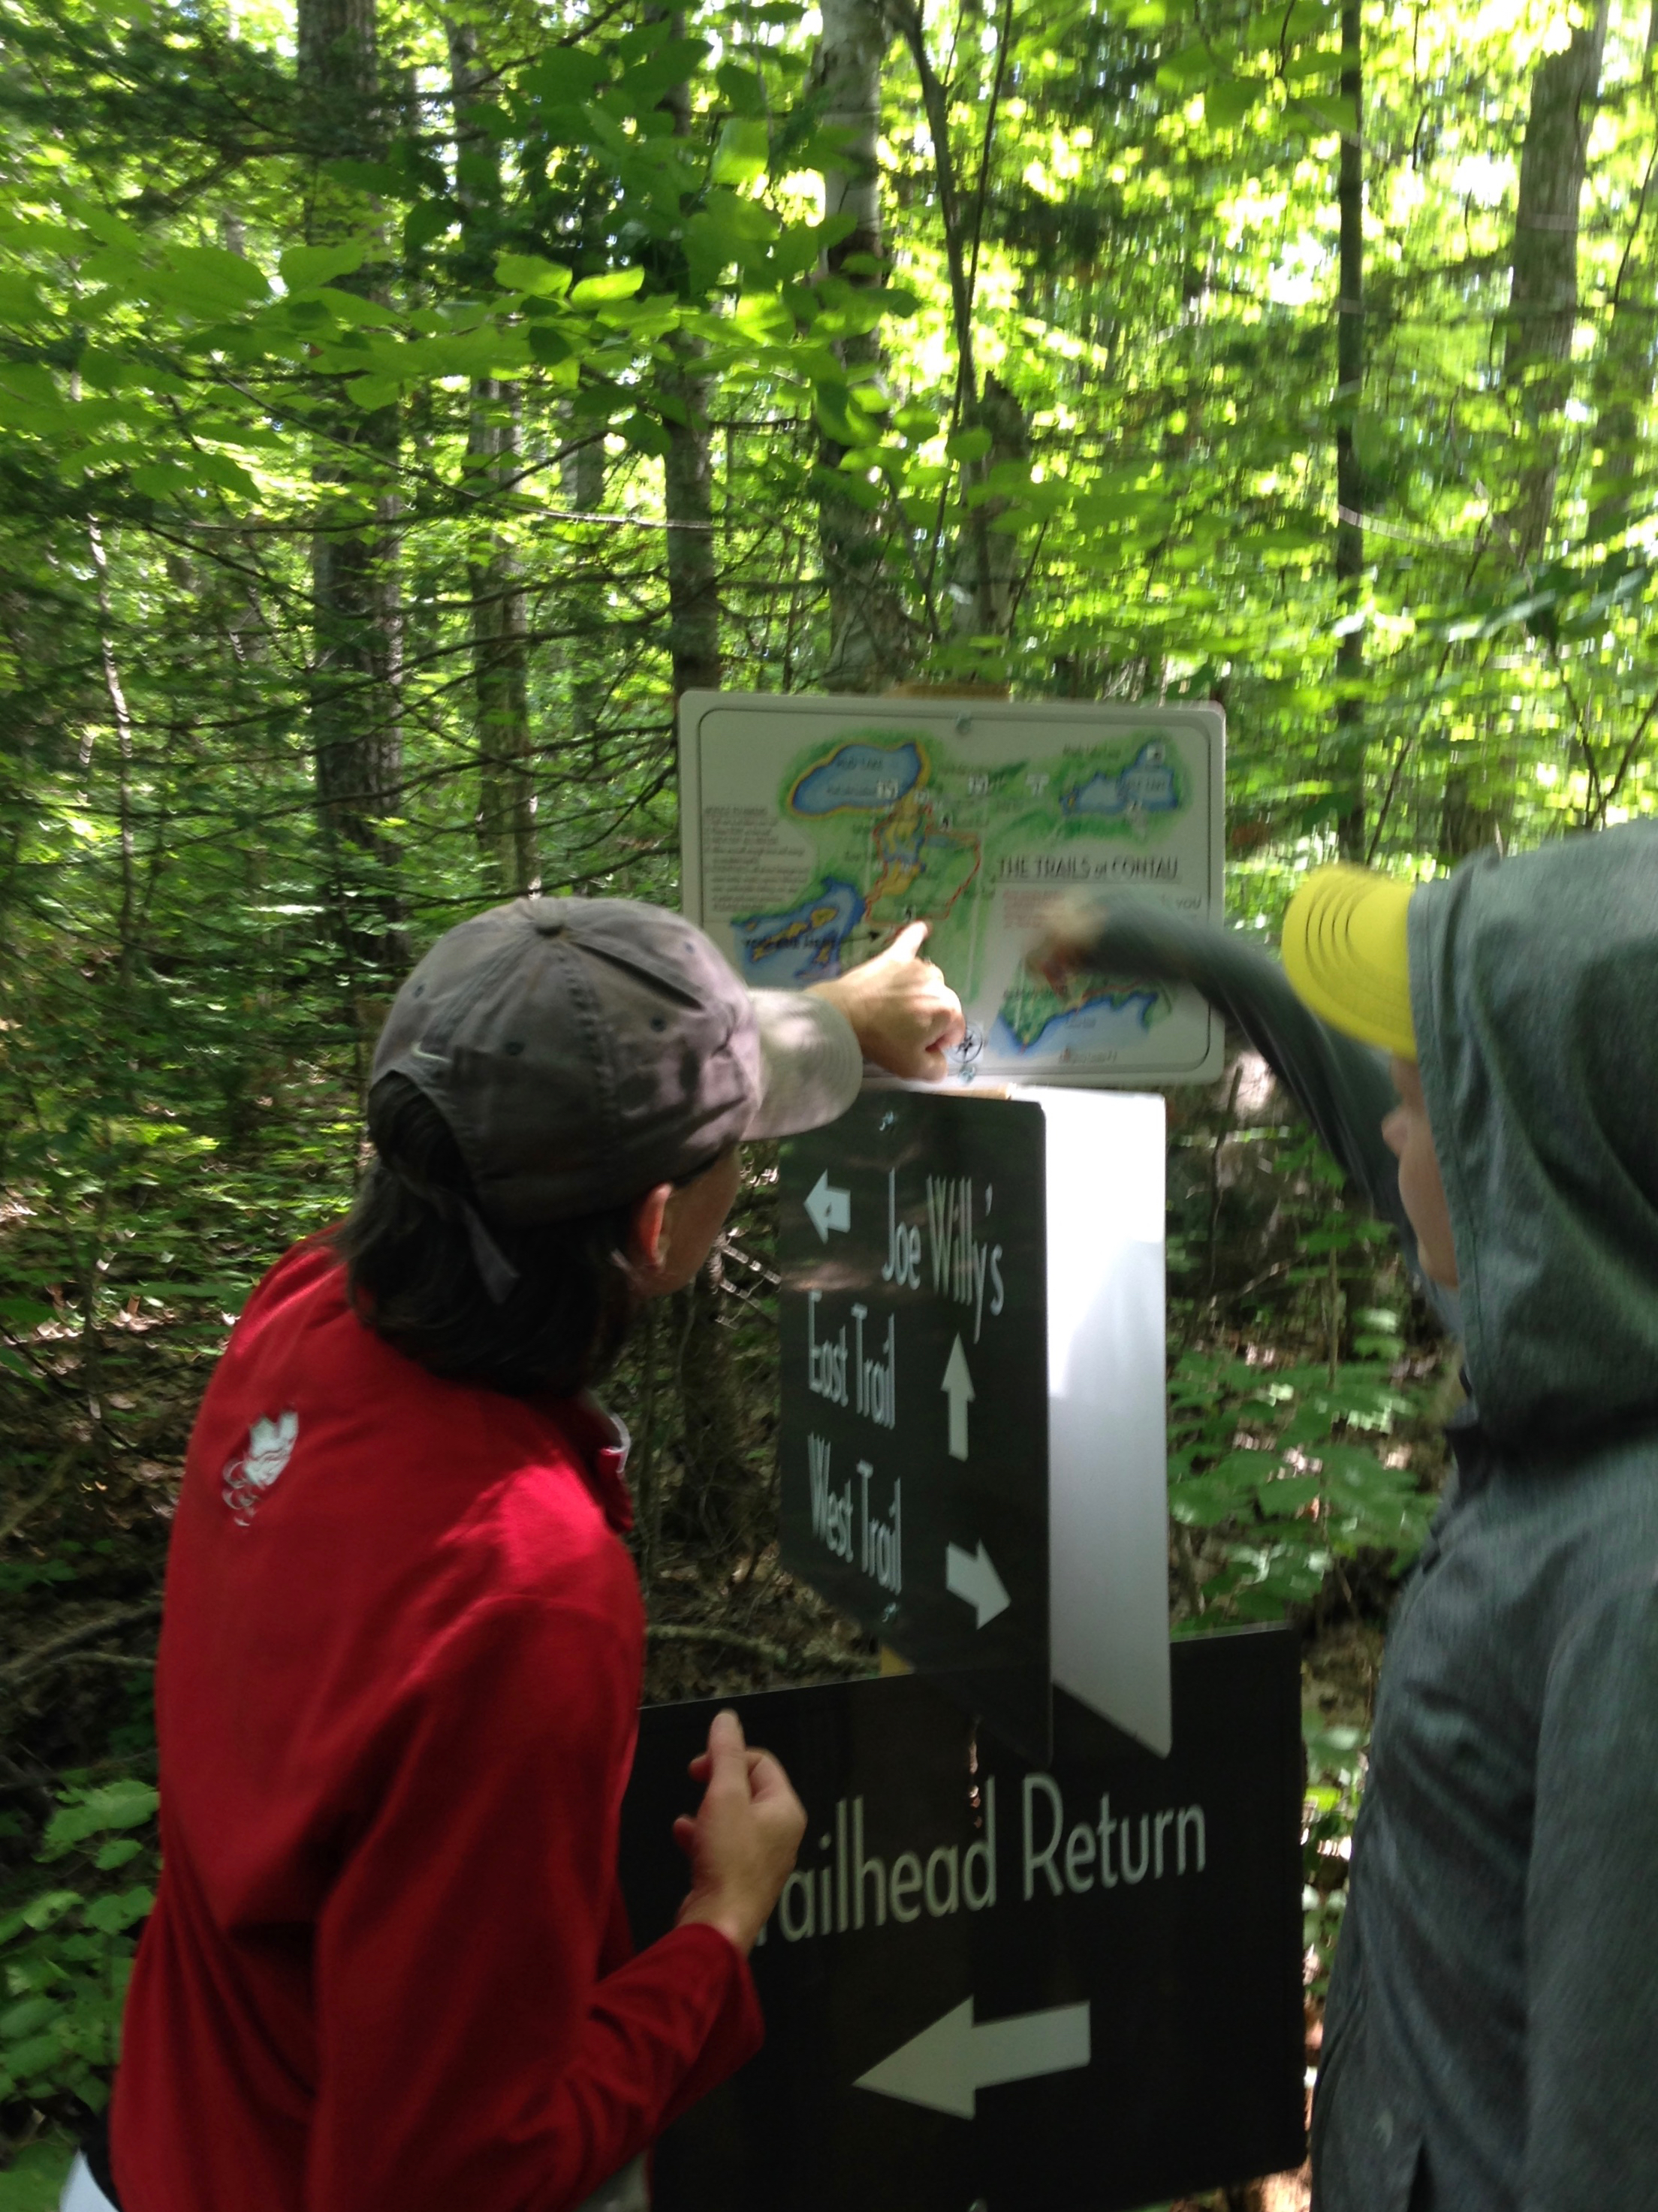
x,y
270,1447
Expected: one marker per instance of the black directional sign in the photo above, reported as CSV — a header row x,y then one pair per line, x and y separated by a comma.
x,y
1071,1987
914,1348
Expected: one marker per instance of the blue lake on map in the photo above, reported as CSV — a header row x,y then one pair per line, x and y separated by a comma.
x,y
859,778
803,943
1146,786
1102,1027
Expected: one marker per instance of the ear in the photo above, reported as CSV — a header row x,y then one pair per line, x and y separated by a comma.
x,y
647,1236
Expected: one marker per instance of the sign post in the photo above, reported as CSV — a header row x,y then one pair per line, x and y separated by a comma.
x,y
915,1389
1064,1985
1040,1951
973,1447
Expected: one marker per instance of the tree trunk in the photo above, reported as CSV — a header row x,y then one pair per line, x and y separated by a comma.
x,y
688,480
355,688
500,627
870,641
1543,290
987,560
1627,362
981,586
500,655
1350,485
693,567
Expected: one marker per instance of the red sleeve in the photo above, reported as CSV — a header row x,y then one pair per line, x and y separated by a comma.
x,y
468,2051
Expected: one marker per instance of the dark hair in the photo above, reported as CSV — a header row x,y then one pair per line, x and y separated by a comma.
x,y
412,1277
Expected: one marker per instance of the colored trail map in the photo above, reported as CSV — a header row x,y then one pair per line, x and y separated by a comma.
x,y
902,832
823,826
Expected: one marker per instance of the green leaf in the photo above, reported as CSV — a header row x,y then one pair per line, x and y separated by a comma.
x,y
549,347
565,76
306,267
110,1915
645,434
1185,71
614,284
379,177
743,151
528,272
742,88
219,469
47,1910
1229,99
427,220
27,2060
24,2018
969,446
127,1803
370,393
675,61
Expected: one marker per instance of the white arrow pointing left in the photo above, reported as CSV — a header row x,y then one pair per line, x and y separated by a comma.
x,y
946,2065
827,1208
969,1574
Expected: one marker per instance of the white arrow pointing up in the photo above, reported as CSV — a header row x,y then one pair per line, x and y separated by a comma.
x,y
959,1383
946,2064
969,1574
827,1207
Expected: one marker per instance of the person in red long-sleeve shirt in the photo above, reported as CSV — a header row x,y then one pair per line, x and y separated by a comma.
x,y
388,1969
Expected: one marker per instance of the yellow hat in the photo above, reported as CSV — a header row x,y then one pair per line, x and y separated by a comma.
x,y
1346,956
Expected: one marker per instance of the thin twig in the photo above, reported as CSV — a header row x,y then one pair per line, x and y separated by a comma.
x,y
60,1468
54,1648
754,1647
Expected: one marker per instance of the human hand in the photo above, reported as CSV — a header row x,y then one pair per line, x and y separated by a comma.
x,y
905,1015
1071,924
742,1839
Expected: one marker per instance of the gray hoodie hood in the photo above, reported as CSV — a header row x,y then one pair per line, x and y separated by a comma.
x,y
1535,991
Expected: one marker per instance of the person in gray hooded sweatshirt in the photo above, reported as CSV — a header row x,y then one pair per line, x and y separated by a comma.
x,y
1490,2043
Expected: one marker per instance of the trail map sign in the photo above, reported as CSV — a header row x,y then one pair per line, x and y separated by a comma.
x,y
973,1447
813,827
1069,1986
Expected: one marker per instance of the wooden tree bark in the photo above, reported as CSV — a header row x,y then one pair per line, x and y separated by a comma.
x,y
870,641
1350,485
1543,289
687,482
986,560
693,562
981,584
1627,363
506,797
355,677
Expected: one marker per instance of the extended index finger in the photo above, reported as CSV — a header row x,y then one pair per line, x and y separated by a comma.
x,y
909,940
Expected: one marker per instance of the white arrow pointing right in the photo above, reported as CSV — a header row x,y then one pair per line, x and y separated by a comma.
x,y
969,1574
959,1384
827,1207
947,2064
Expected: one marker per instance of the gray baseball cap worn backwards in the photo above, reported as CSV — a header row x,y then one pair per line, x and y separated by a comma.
x,y
583,1050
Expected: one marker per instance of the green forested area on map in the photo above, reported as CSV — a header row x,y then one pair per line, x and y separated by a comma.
x,y
400,407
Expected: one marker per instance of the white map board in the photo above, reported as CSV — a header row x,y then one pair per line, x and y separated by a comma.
x,y
812,828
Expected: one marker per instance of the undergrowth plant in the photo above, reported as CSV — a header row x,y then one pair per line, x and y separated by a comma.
x,y
1281,1468
66,1951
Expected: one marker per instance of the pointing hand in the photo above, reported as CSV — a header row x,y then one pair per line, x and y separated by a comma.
x,y
904,1013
